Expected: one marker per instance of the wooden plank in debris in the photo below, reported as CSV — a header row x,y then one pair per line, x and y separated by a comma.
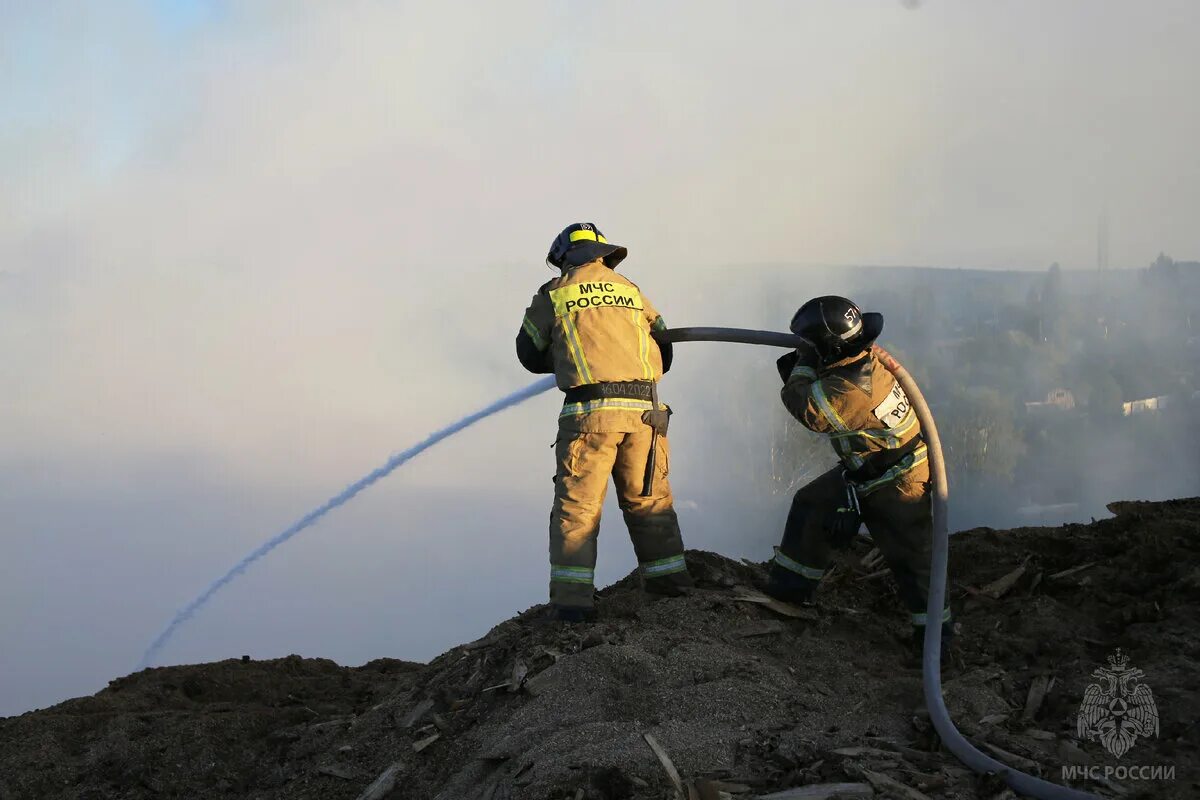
x,y
667,765
1066,573
892,787
877,574
342,771
1004,584
384,784
859,752
422,744
823,791
1012,759
333,723
779,607
412,717
870,557
1038,688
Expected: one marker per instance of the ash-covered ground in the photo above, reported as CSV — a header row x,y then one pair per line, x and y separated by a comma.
x,y
743,700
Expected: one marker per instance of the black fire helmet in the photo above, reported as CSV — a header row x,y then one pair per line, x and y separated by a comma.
x,y
580,243
836,327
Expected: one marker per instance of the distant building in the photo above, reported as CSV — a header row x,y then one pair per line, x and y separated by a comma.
x,y
1147,405
1056,400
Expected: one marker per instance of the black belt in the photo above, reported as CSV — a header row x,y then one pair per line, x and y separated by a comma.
x,y
882,461
627,390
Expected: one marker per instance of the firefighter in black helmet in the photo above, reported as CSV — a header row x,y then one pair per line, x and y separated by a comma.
x,y
836,386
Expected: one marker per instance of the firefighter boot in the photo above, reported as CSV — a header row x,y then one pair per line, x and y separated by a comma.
x,y
788,586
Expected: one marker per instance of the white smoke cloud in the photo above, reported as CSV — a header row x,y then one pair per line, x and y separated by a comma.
x,y
246,252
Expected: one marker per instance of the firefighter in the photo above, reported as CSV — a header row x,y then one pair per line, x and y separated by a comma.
x,y
598,334
836,386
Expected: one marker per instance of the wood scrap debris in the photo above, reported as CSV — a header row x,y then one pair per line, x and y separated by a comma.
x,y
892,787
1066,573
420,710
423,743
382,786
877,574
778,606
873,557
342,771
859,752
667,765
1004,584
1038,689
919,757
1012,759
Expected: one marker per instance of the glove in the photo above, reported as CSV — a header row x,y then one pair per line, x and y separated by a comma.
x,y
658,419
801,356
845,520
786,363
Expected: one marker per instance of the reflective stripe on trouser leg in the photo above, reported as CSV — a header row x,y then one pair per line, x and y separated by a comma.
x,y
584,463
663,566
558,572
652,521
805,548
812,573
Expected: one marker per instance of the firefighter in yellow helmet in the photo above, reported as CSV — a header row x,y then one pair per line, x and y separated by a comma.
x,y
839,388
596,331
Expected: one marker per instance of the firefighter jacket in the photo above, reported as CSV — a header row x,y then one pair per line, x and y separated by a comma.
x,y
593,326
865,413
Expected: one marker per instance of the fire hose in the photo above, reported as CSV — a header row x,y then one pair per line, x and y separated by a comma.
x,y
931,668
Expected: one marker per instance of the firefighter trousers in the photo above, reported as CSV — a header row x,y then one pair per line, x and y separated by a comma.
x,y
898,515
585,461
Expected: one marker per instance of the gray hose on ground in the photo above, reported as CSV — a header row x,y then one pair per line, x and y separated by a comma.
x,y
931,665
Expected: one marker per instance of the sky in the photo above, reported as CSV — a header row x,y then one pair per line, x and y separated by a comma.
x,y
247,250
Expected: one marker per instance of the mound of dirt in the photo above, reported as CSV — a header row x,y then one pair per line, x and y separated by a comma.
x,y
737,697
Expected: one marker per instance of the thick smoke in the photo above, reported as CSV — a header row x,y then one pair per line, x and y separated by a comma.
x,y
245,250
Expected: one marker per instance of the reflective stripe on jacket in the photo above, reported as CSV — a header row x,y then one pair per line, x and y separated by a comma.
x,y
860,407
597,327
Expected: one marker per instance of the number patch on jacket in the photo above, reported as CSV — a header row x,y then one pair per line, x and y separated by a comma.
x,y
894,408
